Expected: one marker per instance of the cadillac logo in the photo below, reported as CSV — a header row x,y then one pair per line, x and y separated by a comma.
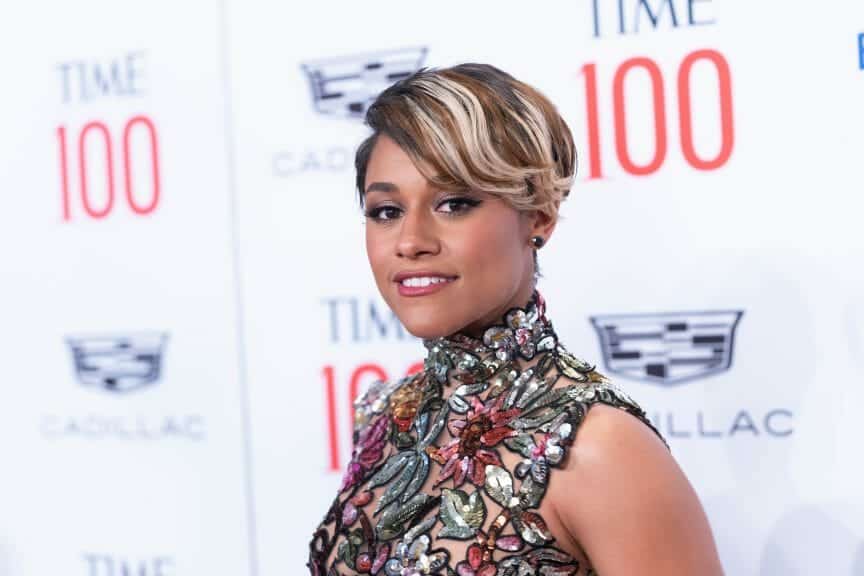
x,y
346,86
118,363
667,348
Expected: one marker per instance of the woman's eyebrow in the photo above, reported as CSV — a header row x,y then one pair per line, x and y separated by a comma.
x,y
382,187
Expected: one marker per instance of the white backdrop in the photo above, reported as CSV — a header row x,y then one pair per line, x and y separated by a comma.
x,y
183,326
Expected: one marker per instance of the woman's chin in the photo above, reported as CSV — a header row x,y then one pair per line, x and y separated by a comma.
x,y
426,330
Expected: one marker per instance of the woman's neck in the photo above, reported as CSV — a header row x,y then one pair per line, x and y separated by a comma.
x,y
523,299
519,336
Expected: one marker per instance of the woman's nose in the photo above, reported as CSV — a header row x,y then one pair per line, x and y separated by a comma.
x,y
416,236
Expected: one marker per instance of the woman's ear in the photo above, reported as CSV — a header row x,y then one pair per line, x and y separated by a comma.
x,y
543,224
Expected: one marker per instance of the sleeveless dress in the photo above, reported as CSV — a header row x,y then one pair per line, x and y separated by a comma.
x,y
450,465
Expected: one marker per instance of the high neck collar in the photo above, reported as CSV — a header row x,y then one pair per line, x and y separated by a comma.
x,y
521,332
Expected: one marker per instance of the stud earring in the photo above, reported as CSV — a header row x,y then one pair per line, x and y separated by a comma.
x,y
537,241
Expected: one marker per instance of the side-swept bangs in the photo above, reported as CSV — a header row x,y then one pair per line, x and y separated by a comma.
x,y
475,127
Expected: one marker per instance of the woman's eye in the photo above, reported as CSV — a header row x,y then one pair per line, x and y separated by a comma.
x,y
382,213
455,205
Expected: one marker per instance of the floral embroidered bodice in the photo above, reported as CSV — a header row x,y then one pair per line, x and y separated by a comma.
x,y
450,465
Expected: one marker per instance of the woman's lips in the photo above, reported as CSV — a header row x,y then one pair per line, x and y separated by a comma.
x,y
423,285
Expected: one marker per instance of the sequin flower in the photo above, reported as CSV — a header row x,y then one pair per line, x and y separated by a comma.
x,y
468,453
367,452
413,558
546,451
525,332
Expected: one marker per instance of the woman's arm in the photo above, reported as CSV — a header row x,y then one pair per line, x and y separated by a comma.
x,y
627,504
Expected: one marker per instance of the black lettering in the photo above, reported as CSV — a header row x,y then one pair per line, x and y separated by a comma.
x,y
690,17
621,29
127,568
82,81
107,81
333,305
170,427
310,162
66,81
355,319
123,76
652,16
596,18
135,73
700,423
769,422
743,421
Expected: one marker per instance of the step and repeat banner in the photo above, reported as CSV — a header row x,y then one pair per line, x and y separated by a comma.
x,y
187,310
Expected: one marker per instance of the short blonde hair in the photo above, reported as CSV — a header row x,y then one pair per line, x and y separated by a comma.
x,y
473,126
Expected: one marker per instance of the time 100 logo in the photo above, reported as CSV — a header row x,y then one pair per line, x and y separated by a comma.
x,y
118,147
659,106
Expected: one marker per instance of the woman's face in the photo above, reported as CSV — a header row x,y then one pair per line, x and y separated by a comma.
x,y
444,260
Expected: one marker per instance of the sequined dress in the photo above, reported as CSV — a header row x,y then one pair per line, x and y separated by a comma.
x,y
450,465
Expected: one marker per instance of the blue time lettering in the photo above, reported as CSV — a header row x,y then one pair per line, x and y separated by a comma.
x,y
356,321
861,51
630,17
109,565
87,80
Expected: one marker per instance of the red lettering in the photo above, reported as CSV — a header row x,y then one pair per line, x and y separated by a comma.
x,y
659,102
361,372
96,128
109,169
685,113
154,161
727,127
593,119
332,426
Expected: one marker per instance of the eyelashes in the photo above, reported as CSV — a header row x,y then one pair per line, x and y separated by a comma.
x,y
382,213
455,206
464,203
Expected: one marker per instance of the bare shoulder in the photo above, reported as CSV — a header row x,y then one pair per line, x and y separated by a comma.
x,y
613,436
626,503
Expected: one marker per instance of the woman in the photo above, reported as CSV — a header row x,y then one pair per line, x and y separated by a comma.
x,y
474,465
